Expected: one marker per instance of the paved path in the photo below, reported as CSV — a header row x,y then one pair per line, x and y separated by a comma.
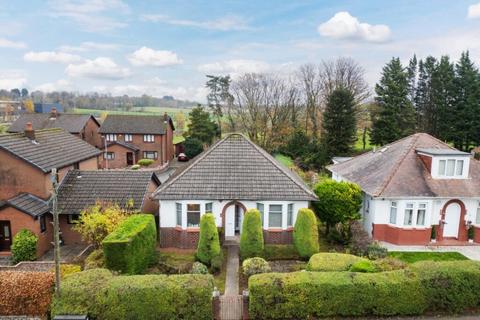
x,y
471,252
231,283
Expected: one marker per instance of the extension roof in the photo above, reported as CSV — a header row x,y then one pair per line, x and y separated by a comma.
x,y
235,168
133,124
52,148
124,144
81,189
73,123
396,170
27,203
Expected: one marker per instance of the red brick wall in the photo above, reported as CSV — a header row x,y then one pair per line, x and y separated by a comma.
x,y
91,135
177,238
120,160
278,237
385,232
68,235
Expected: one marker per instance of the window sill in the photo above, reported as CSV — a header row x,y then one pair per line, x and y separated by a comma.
x,y
274,229
193,229
179,228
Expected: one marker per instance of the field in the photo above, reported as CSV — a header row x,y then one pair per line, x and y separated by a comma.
x,y
135,111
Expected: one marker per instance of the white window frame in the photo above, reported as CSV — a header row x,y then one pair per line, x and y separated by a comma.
x,y
179,214
209,205
393,212
270,211
290,207
146,153
261,209
477,217
457,169
148,138
422,206
111,137
128,137
109,155
409,207
194,211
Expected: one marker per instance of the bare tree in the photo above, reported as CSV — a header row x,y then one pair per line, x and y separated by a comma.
x,y
311,84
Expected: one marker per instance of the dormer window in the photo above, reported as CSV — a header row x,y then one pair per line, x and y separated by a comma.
x,y
445,163
450,167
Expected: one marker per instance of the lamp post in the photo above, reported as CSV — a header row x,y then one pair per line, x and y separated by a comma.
x,y
56,231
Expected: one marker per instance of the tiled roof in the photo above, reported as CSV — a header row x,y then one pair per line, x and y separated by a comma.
x,y
52,148
397,171
235,168
80,189
134,124
73,123
124,144
29,204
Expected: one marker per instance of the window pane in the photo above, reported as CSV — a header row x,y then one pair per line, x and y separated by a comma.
x,y
393,215
193,207
179,213
276,207
450,167
260,207
459,168
441,167
478,215
275,220
408,217
421,217
208,207
193,219
290,215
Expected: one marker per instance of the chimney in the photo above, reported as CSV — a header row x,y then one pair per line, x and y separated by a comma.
x,y
53,113
29,132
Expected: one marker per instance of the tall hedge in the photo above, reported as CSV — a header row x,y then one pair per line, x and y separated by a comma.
x,y
305,233
24,246
251,239
304,295
131,247
209,243
103,296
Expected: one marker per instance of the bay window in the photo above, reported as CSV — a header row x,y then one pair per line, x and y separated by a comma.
x,y
193,215
422,209
290,215
393,212
275,216
408,219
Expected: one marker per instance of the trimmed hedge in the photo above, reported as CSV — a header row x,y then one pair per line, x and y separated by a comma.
x,y
145,162
136,297
326,261
24,246
251,239
209,243
131,247
305,233
303,295
255,265
25,293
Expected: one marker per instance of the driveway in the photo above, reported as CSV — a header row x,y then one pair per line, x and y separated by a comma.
x,y
472,252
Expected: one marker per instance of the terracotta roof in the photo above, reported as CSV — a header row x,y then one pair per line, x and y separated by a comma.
x,y
397,171
235,168
134,124
29,204
52,148
80,189
73,123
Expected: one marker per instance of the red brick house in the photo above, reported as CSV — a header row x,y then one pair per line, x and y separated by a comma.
x,y
83,126
26,162
129,138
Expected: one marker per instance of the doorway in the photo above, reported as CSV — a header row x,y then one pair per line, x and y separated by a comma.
x,y
5,236
129,158
452,220
233,219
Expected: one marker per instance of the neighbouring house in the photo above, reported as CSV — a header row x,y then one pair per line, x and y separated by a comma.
x,y
232,176
83,126
26,163
42,107
80,189
412,185
129,138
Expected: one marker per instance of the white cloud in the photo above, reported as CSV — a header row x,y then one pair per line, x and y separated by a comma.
x,y
227,23
474,11
89,46
10,79
235,67
5,43
60,85
51,56
344,26
158,58
99,68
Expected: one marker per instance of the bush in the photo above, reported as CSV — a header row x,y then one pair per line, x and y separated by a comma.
x,y
363,266
255,265
95,260
251,239
67,269
305,233
359,239
145,162
376,251
305,295
199,268
216,263
135,167
131,247
332,261
208,243
24,246
450,286
389,264
136,297
25,293
280,252
193,147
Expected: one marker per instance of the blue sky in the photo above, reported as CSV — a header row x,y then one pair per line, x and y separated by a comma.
x,y
167,47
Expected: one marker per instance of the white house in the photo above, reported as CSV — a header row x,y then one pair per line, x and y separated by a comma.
x,y
413,185
232,176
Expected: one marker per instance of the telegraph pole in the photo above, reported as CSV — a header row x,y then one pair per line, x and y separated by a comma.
x,y
56,231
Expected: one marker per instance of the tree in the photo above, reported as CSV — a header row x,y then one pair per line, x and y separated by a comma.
x,y
193,147
208,244
28,104
305,233
424,103
251,239
24,93
99,220
311,84
219,99
179,118
338,202
200,126
339,122
396,117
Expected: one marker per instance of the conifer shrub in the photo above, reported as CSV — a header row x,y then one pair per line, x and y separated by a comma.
x,y
305,233
145,162
24,246
255,265
209,243
251,239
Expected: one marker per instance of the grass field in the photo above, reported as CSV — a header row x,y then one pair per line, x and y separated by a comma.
x,y
411,257
135,111
283,159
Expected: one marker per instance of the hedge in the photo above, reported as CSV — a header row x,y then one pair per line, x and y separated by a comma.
x,y
251,238
136,297
303,295
332,261
305,233
131,247
209,242
24,246
25,293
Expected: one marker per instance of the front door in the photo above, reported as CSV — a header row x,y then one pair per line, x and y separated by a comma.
x,y
129,158
233,220
5,236
238,218
452,221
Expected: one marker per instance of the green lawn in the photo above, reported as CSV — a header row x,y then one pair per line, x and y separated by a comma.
x,y
284,159
411,257
359,143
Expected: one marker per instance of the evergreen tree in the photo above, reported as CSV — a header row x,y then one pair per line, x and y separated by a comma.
x,y
412,77
424,104
339,122
200,126
396,117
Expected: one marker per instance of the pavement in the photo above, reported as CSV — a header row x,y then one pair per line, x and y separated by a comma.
x,y
231,283
471,252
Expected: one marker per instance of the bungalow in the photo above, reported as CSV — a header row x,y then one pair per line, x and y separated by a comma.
x,y
83,126
129,138
413,185
230,177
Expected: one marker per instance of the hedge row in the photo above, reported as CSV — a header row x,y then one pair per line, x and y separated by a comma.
x,y
101,295
131,247
327,261
425,286
25,293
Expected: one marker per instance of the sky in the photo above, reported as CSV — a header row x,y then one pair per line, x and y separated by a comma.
x,y
167,47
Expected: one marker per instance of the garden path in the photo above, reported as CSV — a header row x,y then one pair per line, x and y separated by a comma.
x,y
231,303
231,283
